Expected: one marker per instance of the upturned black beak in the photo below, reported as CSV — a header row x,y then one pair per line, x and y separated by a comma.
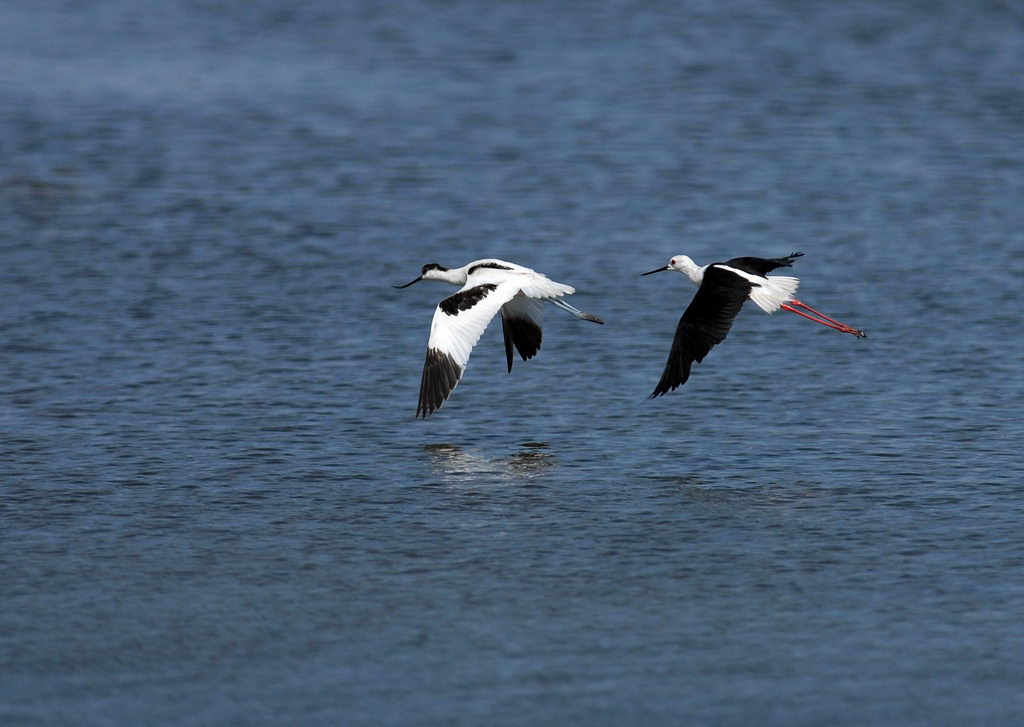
x,y
409,283
657,270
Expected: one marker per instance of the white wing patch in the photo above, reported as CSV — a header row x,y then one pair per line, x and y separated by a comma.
x,y
773,293
539,286
769,292
456,331
529,282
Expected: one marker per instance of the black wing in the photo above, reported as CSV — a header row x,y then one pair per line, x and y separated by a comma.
x,y
520,325
704,323
762,266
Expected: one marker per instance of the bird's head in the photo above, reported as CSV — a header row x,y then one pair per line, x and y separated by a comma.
x,y
681,264
430,271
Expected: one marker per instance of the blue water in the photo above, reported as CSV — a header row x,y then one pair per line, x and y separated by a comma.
x,y
217,506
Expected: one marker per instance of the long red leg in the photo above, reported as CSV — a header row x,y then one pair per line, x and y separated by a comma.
x,y
800,303
812,318
822,318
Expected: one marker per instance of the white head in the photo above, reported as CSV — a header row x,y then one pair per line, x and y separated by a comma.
x,y
683,264
433,271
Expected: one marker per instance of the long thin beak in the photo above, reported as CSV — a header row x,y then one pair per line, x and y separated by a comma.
x,y
657,270
409,283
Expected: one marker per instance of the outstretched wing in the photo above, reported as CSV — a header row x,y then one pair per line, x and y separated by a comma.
x,y
762,266
704,324
458,323
521,322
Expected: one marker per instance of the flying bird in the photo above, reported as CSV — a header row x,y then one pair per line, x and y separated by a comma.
x,y
489,286
723,288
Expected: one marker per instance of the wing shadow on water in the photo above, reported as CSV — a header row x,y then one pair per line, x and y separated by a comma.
x,y
458,465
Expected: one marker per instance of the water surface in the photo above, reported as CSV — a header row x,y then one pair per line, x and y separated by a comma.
x,y
217,507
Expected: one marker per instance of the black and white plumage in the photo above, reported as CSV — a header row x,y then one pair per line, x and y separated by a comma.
x,y
723,289
489,286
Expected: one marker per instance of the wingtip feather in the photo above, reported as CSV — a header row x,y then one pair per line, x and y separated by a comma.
x,y
440,377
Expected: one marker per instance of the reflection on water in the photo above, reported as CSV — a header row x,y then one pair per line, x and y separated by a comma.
x,y
456,464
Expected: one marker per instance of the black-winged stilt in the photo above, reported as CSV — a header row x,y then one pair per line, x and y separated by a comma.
x,y
723,288
488,286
